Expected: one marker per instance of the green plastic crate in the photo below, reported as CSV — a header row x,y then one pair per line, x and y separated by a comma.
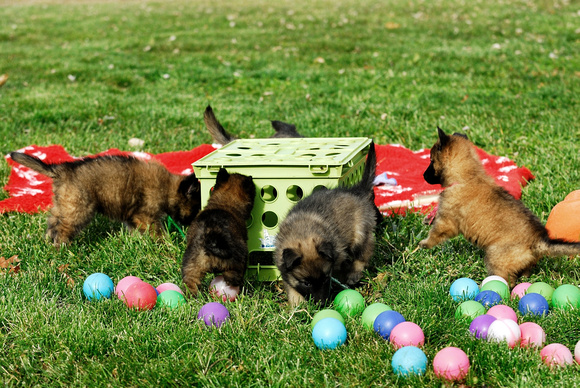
x,y
284,171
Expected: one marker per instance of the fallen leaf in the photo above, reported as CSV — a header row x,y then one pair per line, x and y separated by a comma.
x,y
392,25
12,264
319,60
8,263
3,79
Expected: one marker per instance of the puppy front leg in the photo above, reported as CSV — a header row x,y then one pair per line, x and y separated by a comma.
x,y
442,229
294,297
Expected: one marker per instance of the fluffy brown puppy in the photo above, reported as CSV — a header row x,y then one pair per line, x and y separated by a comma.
x,y
328,234
221,136
472,204
123,188
217,238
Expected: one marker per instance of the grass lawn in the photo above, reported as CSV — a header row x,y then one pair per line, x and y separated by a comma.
x,y
90,75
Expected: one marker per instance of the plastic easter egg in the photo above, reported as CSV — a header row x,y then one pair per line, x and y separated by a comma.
x,y
520,290
326,313
329,333
501,311
409,360
563,221
566,297
223,290
371,312
463,289
555,355
469,310
451,363
124,284
213,314
386,321
488,298
98,286
498,286
532,334
141,296
504,330
349,303
533,304
480,325
494,277
407,334
577,352
170,299
543,289
168,286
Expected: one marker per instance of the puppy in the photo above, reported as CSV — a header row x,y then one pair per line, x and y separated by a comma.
x,y
123,188
221,136
486,214
217,238
328,234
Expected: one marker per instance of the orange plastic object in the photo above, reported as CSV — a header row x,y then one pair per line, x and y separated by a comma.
x,y
564,219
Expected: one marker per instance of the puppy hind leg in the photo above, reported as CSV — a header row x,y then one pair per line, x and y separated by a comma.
x,y
508,263
65,222
193,272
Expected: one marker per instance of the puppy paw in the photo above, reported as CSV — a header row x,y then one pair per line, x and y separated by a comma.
x,y
425,244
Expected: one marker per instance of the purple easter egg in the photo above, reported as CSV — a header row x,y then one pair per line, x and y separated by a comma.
x,y
480,324
213,314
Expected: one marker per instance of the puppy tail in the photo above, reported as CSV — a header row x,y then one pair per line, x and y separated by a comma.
x,y
366,184
34,163
217,132
557,248
284,130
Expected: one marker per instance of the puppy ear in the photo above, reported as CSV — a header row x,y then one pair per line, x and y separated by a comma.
x,y
443,138
249,183
189,187
460,135
291,258
326,250
222,176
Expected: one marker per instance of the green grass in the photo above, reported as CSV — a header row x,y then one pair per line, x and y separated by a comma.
x,y
506,73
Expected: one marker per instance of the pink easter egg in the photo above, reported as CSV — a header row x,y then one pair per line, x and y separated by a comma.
x,y
123,284
504,329
220,288
451,363
520,290
577,352
532,334
168,286
556,355
407,334
501,311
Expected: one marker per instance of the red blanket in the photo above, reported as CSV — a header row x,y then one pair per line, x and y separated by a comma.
x,y
31,192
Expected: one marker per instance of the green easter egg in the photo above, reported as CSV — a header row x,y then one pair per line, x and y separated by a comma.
x,y
371,312
543,289
170,299
566,297
498,286
469,309
349,303
326,313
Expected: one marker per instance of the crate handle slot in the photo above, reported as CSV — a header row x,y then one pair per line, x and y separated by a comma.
x,y
318,169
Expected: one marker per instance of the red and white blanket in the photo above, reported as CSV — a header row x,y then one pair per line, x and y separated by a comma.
x,y
30,192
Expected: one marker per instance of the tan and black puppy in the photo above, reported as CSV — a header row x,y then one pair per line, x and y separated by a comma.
x,y
474,205
221,136
217,238
123,188
328,234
